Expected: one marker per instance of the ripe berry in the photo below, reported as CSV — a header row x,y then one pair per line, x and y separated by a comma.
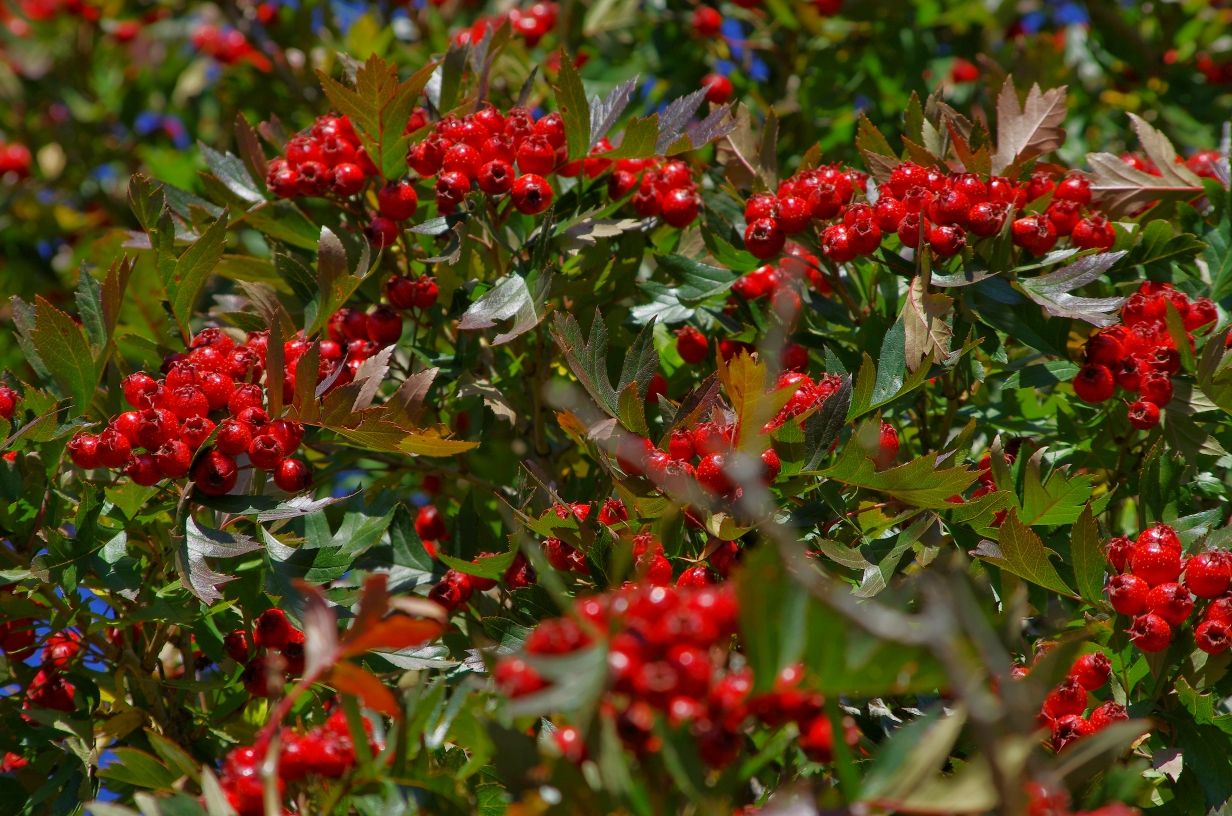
x,y
496,177
83,450
140,390
215,473
464,159
691,345
1094,383
384,326
1208,574
397,200
947,240
949,206
272,629
266,451
1150,632
1163,535
1128,594
707,22
143,470
233,437
1155,563
710,473
113,448
1091,670
1035,233
1117,551
8,401
986,218
292,475
763,238
174,459
430,524
1213,635
837,243
1073,187
381,232
1156,387
771,465
679,207
1070,697
349,179
1068,730
718,88
1143,415
1107,714
1093,232
1170,601
451,189
235,644
531,194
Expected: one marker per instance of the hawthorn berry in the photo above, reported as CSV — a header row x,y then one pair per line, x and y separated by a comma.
x,y
1170,601
8,401
215,473
531,194
1128,594
292,475
1094,383
1108,713
764,238
679,207
1208,574
1092,670
691,345
1155,562
1150,632
1035,233
718,88
1143,415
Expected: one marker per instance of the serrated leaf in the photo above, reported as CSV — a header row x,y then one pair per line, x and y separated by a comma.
x,y
637,140
233,174
1029,129
1121,189
1021,552
699,281
747,385
511,297
191,271
925,330
1086,550
1058,499
919,483
574,108
89,299
1052,291
199,543
604,113
62,348
823,426
587,359
676,117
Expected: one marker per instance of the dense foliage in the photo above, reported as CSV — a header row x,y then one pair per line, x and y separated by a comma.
x,y
784,407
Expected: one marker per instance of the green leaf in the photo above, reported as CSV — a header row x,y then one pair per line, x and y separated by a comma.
x,y
1055,500
913,754
1087,552
1159,241
823,426
191,271
488,566
699,281
574,108
233,174
137,768
919,483
773,616
89,297
1021,552
62,347
637,140
510,298
198,543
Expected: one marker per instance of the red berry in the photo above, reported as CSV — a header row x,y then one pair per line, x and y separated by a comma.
x,y
384,326
235,644
947,240
83,450
272,629
1143,415
8,401
381,232
531,194
1156,387
215,473
349,179
1155,563
1107,714
1093,232
707,22
718,88
764,238
1128,594
1094,383
496,177
1070,697
1035,233
710,473
1213,635
292,475
143,470
1163,535
1150,632
451,189
114,449
140,390
397,200
1208,574
691,345
1073,187
430,524
679,207
233,437
1091,670
1170,601
1068,730
174,459
266,451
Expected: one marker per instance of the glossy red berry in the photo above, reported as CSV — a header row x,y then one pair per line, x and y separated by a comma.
x,y
531,194
1093,232
1092,670
384,326
215,473
8,401
1094,383
1155,563
430,524
764,238
292,475
266,451
1161,534
174,459
1143,415
1150,632
236,645
1070,697
496,177
1068,730
1213,635
140,390
1108,713
1128,594
1073,187
83,450
397,200
711,475
1208,574
1170,601
691,345
718,88
947,240
1035,233
679,207
143,470
114,449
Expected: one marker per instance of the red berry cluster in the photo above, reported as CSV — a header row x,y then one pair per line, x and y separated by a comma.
x,y
162,436
15,158
531,25
325,752
779,280
228,46
49,688
669,655
1139,354
922,205
664,189
703,454
1149,588
1065,708
282,657
325,159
